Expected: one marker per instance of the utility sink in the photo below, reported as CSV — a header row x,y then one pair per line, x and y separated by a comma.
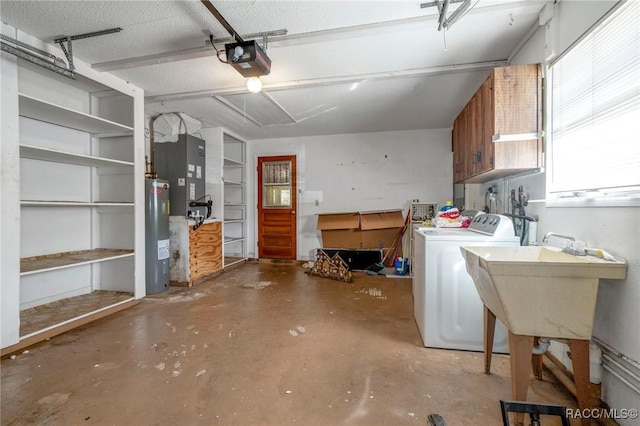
x,y
539,290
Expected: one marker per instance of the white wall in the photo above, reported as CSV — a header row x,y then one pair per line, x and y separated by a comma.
x,y
615,229
353,172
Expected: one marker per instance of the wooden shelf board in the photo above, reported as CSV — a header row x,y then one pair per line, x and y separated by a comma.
x,y
122,134
40,110
46,154
232,162
43,322
42,203
228,261
37,264
229,240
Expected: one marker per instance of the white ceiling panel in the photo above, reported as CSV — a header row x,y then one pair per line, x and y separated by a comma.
x,y
405,103
342,67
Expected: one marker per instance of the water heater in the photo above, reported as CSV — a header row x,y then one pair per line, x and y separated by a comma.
x,y
157,248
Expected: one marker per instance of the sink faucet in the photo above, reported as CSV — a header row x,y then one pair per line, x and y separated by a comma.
x,y
553,234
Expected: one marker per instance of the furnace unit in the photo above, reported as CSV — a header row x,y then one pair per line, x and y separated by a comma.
x,y
182,163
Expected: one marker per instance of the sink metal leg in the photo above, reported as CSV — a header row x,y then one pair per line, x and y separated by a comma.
x,y
489,332
520,353
580,361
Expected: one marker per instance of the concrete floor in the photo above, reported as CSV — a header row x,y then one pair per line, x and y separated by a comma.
x,y
262,344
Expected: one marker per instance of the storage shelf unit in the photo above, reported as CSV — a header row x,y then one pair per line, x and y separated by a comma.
x,y
235,198
420,213
81,197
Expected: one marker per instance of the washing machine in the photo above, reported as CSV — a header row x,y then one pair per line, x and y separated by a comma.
x,y
447,307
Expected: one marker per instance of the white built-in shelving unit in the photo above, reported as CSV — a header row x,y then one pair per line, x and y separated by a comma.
x,y
234,175
81,198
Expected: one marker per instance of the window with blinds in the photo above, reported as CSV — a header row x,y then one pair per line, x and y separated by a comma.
x,y
595,110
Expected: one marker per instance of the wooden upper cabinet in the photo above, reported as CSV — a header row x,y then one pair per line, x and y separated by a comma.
x,y
502,123
486,145
474,132
459,145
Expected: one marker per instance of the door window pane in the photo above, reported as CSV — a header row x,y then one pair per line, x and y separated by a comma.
x,y
276,182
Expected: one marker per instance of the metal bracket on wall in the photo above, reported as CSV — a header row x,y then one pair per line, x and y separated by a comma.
x,y
45,59
68,52
38,57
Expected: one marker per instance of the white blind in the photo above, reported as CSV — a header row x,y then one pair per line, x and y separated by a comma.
x,y
595,108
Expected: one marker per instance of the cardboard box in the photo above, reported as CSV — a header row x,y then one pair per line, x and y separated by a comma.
x,y
369,229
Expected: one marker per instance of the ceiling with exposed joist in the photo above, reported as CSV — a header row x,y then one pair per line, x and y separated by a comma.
x,y
339,67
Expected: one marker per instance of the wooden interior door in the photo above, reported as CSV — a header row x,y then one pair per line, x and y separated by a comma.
x,y
277,201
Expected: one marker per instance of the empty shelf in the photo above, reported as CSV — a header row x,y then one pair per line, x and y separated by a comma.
x,y
46,154
36,264
40,110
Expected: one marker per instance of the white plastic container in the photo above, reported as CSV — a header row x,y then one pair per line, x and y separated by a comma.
x,y
595,363
533,233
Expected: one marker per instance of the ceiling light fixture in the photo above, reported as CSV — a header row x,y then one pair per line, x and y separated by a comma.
x,y
237,53
254,84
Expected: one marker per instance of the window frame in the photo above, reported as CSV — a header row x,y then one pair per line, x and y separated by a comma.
x,y
628,195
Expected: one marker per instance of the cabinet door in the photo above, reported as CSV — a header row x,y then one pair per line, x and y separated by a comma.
x,y
517,96
487,121
474,125
457,151
460,150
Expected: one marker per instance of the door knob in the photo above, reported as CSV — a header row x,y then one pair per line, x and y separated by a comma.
x,y
293,212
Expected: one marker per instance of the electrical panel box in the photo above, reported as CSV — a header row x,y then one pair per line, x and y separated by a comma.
x,y
182,164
